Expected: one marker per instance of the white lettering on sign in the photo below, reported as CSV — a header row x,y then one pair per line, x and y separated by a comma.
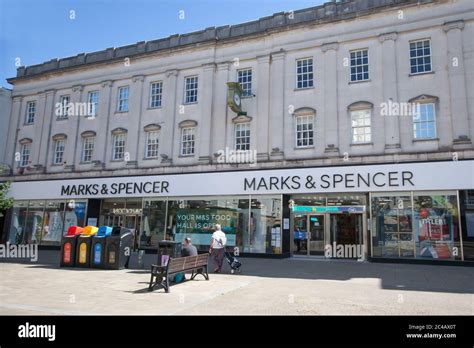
x,y
434,221
127,211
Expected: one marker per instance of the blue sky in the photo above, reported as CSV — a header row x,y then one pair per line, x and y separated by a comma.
x,y
34,31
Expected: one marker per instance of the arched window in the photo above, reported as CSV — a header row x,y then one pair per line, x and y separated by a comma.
x,y
25,152
88,142
304,127
424,116
119,139
152,140
188,137
360,114
59,148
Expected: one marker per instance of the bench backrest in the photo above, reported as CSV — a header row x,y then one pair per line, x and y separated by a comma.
x,y
180,264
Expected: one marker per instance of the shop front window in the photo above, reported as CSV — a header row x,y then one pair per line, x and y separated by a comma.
x,y
154,223
17,222
437,225
265,225
53,224
467,210
197,219
422,225
34,222
75,214
44,222
392,223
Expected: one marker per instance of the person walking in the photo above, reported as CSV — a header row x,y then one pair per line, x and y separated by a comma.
x,y
218,242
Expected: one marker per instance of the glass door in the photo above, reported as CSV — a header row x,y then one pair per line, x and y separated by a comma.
x,y
300,235
346,230
316,235
132,222
308,234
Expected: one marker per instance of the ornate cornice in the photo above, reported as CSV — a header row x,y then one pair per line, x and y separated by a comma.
x,y
107,83
388,36
172,72
329,46
78,88
453,25
138,78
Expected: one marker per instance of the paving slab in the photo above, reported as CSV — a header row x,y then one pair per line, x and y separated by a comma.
x,y
266,287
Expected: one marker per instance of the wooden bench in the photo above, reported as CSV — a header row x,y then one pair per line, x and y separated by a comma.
x,y
160,274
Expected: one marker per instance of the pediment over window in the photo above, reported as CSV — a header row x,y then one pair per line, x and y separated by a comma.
x,y
119,130
304,111
423,98
242,119
360,105
60,136
25,141
87,134
187,123
152,127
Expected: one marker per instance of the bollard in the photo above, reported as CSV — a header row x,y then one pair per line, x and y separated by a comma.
x,y
141,263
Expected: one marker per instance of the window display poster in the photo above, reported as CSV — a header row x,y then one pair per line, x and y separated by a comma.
x,y
434,234
53,226
74,215
276,239
198,224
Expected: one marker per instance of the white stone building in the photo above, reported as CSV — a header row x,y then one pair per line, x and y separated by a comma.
x,y
5,110
353,84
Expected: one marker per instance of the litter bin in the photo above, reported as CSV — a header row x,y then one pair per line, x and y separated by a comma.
x,y
98,247
84,246
167,249
118,248
68,246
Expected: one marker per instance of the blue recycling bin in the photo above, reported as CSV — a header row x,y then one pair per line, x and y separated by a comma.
x,y
99,242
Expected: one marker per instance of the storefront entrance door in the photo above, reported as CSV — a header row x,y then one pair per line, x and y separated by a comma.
x,y
309,234
346,230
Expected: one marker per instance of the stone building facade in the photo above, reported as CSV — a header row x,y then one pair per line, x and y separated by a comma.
x,y
348,83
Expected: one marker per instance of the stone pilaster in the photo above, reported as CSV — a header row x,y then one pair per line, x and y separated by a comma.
x,y
134,119
48,117
15,121
205,88
457,84
389,81
220,109
168,129
73,130
263,98
277,109
105,112
331,118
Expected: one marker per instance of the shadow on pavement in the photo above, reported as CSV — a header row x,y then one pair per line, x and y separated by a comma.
x,y
416,277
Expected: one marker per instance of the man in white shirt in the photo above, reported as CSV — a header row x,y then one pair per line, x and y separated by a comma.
x,y
218,242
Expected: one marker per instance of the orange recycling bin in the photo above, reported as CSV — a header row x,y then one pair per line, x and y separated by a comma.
x,y
68,246
84,246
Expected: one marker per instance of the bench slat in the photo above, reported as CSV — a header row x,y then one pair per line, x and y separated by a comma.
x,y
188,263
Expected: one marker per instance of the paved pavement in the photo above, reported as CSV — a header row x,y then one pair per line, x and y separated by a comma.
x,y
265,286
